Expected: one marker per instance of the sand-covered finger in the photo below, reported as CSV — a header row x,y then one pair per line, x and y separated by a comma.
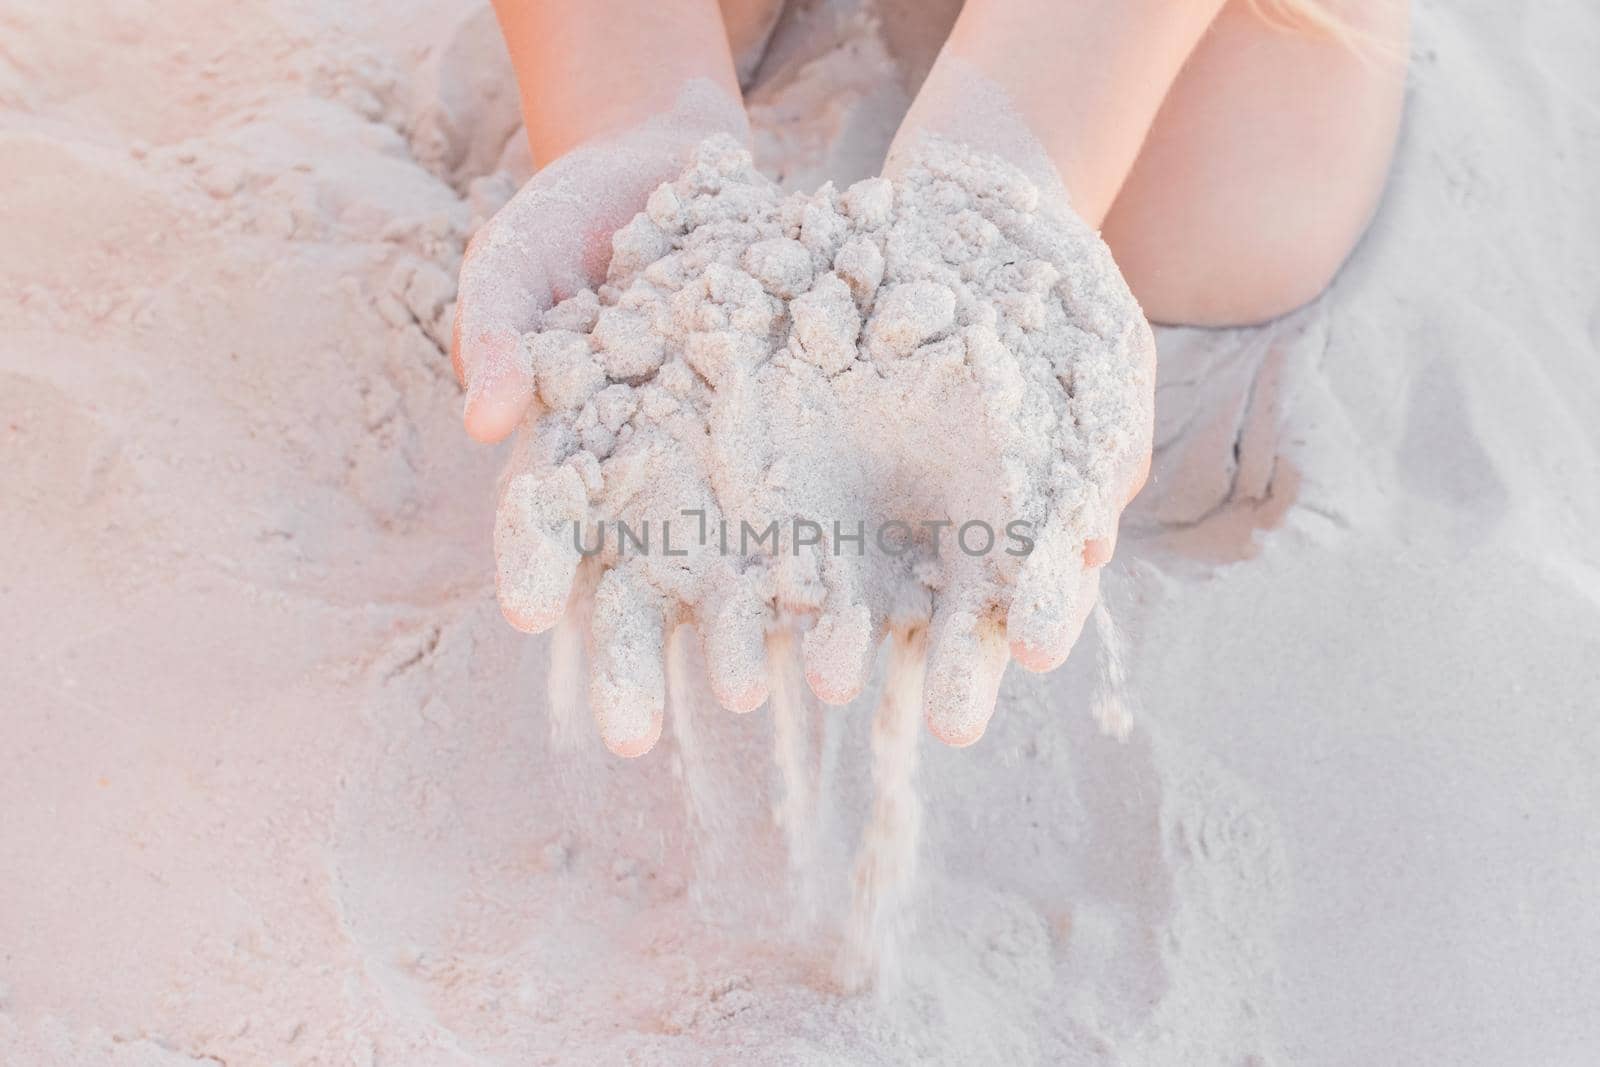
x,y
838,649
535,546
733,626
966,658
628,684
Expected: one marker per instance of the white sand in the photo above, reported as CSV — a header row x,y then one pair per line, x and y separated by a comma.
x,y
279,785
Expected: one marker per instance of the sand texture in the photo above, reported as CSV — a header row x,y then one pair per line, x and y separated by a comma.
x,y
279,785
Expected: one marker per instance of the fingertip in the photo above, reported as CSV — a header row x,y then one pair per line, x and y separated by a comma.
x,y
956,734
630,743
629,711
1039,659
838,654
839,650
832,691
1040,653
527,620
1043,619
628,683
499,378
1097,551
741,700
966,658
733,633
535,563
739,676
494,408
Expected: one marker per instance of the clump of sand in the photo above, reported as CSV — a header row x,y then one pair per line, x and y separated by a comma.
x,y
908,403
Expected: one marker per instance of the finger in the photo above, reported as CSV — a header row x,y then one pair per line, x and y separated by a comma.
x,y
733,627
838,650
966,657
628,685
502,291
500,392
1041,654
535,546
1044,618
1097,551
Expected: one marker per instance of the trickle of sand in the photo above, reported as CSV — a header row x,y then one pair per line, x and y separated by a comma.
x,y
692,768
567,681
795,806
1112,707
887,860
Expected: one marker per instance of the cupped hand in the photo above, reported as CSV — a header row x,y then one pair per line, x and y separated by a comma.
x,y
553,239
936,390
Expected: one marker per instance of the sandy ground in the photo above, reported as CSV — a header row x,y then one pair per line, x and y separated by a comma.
x,y
278,786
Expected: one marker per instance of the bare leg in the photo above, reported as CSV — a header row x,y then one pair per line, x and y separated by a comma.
x,y
1064,90
1231,164
1262,167
750,24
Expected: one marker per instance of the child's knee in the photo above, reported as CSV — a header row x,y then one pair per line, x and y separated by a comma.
x,y
1225,268
1238,292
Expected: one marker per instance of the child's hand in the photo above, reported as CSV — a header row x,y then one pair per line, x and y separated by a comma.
x,y
553,239
951,357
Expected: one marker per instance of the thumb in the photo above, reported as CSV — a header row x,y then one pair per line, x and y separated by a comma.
x,y
502,291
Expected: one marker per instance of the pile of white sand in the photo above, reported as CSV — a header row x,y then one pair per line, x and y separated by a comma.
x,y
279,785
